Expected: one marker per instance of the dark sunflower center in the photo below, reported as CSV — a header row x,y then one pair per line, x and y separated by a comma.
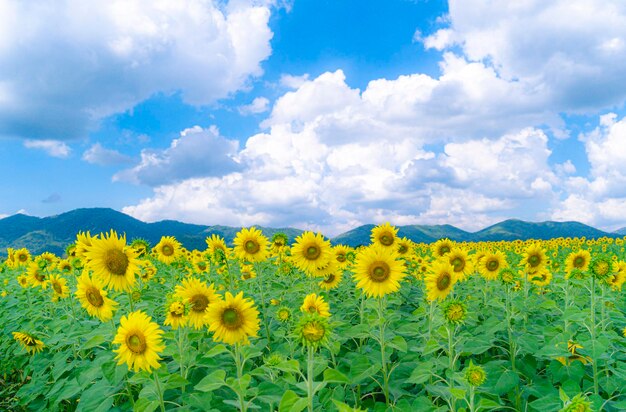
x,y
386,239
579,262
167,250
22,258
40,276
251,246
458,263
534,260
443,250
94,297
493,265
199,303
330,278
57,287
312,309
116,262
403,249
42,264
443,281
379,271
340,257
313,252
30,341
136,343
231,318
201,265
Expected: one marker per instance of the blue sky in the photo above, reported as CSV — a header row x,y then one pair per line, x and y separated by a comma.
x,y
316,114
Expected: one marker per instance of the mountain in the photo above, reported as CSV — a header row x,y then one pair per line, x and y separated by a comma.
x,y
54,233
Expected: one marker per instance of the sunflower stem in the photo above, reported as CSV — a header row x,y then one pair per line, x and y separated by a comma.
x,y
263,306
592,329
385,386
471,398
159,391
130,300
309,378
451,364
512,348
181,353
239,364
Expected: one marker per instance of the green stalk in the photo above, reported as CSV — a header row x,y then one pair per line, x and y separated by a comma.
x,y
159,392
309,378
261,290
382,350
451,364
592,329
239,363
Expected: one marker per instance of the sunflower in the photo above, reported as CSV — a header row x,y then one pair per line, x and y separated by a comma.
x,y
65,266
279,242
59,287
83,242
283,314
331,281
23,281
46,260
475,375
384,235
601,266
233,320
507,276
199,297
455,312
21,256
534,257
405,247
461,263
175,315
37,276
141,247
442,247
340,253
92,296
217,248
617,279
247,272
313,330
148,270
315,304
491,264
201,265
378,271
168,249
541,277
140,341
113,262
440,280
29,342
311,251
251,245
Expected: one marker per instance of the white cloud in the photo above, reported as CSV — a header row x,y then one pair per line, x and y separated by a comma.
x,y
197,152
64,66
99,155
258,105
572,52
53,148
293,82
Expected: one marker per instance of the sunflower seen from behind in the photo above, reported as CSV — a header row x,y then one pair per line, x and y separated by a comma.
x,y
92,296
112,261
233,320
378,271
250,245
139,341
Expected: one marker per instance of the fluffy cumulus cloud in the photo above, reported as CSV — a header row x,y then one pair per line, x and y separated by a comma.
x,y
571,51
197,152
360,159
64,66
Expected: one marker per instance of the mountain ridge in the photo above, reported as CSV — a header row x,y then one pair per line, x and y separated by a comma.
x,y
53,233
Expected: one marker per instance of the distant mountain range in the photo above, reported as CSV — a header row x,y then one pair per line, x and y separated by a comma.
x,y
54,233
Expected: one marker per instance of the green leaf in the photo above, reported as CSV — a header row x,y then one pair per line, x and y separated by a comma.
x,y
94,341
457,393
421,373
398,343
333,375
145,405
342,407
292,402
506,382
212,381
216,350
289,366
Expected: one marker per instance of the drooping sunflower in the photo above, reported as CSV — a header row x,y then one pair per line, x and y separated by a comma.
x,y
29,342
541,277
384,235
315,304
578,260
331,281
233,320
442,247
460,261
440,280
378,271
251,245
311,251
217,248
175,315
148,270
59,287
199,296
92,296
140,342
168,249
617,279
37,276
534,257
279,242
491,264
112,261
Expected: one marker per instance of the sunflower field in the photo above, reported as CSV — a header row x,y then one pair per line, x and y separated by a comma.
x,y
298,324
